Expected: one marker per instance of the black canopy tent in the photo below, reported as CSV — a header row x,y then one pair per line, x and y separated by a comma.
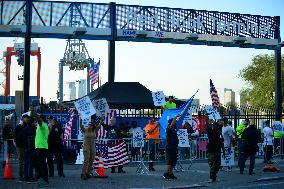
x,y
123,95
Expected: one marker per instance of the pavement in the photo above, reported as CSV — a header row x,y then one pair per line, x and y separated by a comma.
x,y
196,176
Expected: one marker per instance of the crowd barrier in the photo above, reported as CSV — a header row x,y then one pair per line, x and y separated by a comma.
x,y
152,150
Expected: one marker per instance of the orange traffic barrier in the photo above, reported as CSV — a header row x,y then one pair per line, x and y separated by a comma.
x,y
8,173
101,170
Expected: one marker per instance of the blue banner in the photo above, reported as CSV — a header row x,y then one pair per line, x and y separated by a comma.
x,y
171,113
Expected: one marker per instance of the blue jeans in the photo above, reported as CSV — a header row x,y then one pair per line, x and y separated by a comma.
x,y
243,158
28,165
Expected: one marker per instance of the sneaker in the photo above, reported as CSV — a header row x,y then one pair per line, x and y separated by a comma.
x,y
166,176
31,181
42,183
172,176
21,179
121,171
84,177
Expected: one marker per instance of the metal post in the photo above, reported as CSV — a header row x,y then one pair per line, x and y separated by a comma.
x,y
278,87
111,43
26,87
61,64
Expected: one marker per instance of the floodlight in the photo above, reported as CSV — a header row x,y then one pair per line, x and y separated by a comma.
x,y
240,39
192,36
80,31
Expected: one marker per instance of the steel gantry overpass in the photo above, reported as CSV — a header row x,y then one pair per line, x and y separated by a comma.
x,y
116,22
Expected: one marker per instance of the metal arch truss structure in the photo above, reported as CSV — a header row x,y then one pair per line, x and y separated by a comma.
x,y
116,22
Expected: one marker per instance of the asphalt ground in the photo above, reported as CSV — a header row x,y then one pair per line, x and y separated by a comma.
x,y
196,176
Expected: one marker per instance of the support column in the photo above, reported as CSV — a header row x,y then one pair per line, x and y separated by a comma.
x,y
26,87
278,87
111,61
61,64
111,43
38,72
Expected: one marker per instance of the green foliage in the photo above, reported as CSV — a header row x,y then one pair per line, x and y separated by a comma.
x,y
259,75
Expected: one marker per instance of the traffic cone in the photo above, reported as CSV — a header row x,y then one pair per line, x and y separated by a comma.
x,y
101,172
8,173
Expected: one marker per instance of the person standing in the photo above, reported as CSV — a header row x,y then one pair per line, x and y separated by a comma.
x,y
170,104
89,147
268,142
214,147
251,137
19,143
228,135
55,147
239,131
41,146
113,134
171,148
8,136
152,134
29,133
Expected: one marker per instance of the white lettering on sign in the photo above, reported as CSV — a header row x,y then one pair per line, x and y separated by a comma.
x,y
197,23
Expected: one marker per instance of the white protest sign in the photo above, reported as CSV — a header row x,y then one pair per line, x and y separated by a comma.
x,y
188,117
159,98
212,112
229,157
278,126
137,138
183,138
85,123
101,106
85,107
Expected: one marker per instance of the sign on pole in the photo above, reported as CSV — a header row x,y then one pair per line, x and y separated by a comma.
x,y
101,106
212,112
229,157
138,140
85,107
183,138
278,126
159,98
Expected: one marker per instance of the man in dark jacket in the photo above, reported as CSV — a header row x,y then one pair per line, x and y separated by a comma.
x,y
55,147
251,137
19,143
214,146
29,133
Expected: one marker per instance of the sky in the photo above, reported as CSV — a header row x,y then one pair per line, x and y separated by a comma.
x,y
177,70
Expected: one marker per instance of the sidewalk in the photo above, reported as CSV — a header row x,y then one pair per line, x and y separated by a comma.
x,y
196,176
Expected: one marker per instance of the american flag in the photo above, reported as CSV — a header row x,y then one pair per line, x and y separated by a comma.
x,y
94,72
214,96
68,127
113,154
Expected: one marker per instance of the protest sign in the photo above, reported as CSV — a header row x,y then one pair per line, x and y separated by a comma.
x,y
229,157
278,127
101,106
212,112
159,98
183,138
188,117
137,138
85,123
85,107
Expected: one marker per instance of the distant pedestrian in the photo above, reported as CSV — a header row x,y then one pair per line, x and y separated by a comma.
x,y
214,147
8,136
251,137
170,103
171,148
239,131
268,142
228,135
55,147
19,143
89,147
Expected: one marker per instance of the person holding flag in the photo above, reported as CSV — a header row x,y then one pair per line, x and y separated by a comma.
x,y
171,148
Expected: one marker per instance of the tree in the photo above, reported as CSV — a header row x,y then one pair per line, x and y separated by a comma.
x,y
259,75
